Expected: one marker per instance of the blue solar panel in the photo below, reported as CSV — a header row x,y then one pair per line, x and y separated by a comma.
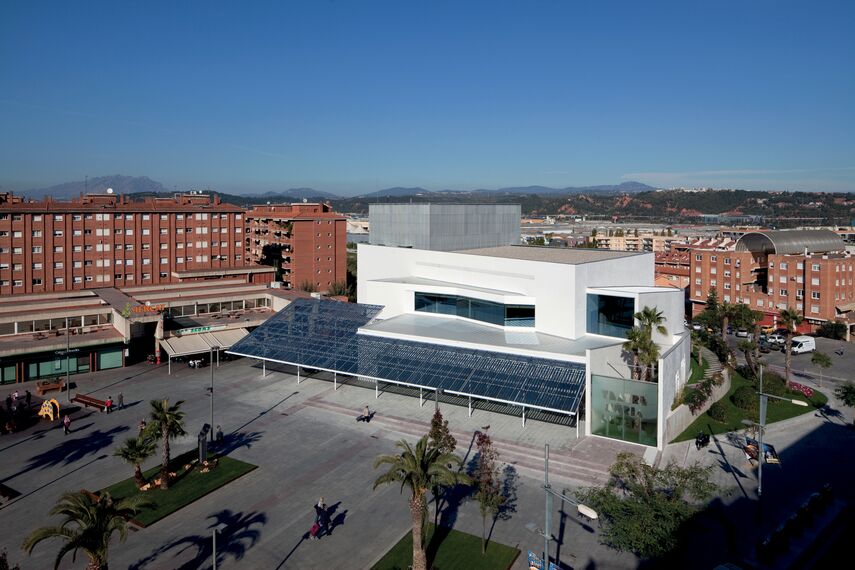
x,y
323,334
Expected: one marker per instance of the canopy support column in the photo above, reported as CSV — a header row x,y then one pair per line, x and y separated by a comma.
x,y
470,406
376,389
263,368
218,357
298,375
169,365
523,416
421,397
576,416
335,381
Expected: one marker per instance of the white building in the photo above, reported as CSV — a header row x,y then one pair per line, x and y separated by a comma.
x,y
570,306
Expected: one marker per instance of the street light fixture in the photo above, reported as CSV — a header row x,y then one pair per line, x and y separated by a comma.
x,y
211,364
761,456
214,532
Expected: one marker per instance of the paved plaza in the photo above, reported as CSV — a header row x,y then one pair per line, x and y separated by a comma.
x,y
307,444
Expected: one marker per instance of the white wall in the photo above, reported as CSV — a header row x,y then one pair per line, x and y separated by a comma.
x,y
670,302
674,370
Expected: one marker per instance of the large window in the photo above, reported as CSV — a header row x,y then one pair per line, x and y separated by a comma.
x,y
476,309
610,316
624,409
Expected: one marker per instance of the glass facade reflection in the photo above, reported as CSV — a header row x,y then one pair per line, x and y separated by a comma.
x,y
476,309
610,316
624,409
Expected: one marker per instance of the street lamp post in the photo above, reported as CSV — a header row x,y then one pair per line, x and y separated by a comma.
x,y
213,348
761,456
67,372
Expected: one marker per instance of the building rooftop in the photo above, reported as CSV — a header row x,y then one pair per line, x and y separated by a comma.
x,y
566,256
791,242
443,330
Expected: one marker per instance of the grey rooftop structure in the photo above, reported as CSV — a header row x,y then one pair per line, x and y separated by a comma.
x,y
566,256
790,242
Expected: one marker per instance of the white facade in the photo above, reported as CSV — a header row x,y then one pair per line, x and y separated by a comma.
x,y
557,282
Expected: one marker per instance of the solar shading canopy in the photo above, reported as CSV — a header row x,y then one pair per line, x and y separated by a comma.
x,y
325,335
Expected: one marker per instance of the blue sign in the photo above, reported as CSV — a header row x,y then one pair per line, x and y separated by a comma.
x,y
534,561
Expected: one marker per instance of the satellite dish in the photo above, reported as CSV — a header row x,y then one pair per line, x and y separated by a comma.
x,y
109,190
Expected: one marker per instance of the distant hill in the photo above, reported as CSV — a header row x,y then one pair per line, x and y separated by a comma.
x,y
300,193
395,192
119,183
402,192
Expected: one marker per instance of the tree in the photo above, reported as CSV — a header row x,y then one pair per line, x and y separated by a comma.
x,y
488,488
167,422
791,319
846,393
135,451
637,343
712,300
307,287
418,468
648,358
339,288
90,522
442,440
642,507
823,361
649,318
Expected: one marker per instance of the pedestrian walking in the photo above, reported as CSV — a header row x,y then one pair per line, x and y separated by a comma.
x,y
121,401
324,520
15,396
108,404
66,424
29,398
218,436
142,426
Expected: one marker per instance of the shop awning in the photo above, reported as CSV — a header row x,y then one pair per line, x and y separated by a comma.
x,y
204,342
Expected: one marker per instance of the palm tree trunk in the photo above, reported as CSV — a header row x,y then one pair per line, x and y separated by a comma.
x,y
724,323
95,564
636,373
417,507
483,533
788,355
164,467
138,476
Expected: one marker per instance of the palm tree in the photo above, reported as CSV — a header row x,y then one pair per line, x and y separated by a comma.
x,y
135,451
648,357
419,468
167,422
637,343
89,524
790,318
649,318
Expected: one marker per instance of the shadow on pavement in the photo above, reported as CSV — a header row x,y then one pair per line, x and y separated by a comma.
x,y
238,534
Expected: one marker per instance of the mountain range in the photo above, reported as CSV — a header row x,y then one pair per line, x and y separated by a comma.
x,y
143,185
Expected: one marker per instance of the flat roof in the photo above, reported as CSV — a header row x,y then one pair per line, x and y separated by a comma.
x,y
564,255
631,289
443,330
437,283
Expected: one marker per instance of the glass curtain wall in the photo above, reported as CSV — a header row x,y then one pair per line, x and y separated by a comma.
x,y
476,309
610,316
624,409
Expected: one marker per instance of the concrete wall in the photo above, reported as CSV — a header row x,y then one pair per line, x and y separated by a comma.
x,y
671,303
674,369
444,227
682,417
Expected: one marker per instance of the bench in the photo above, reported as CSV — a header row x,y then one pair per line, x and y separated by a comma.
x,y
89,401
48,385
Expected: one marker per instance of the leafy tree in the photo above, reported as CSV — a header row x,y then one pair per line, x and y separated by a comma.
x,y
642,507
167,422
791,319
89,524
846,394
339,288
488,488
712,301
832,329
442,440
823,361
135,451
418,468
307,287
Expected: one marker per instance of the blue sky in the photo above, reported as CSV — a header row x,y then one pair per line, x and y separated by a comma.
x,y
356,96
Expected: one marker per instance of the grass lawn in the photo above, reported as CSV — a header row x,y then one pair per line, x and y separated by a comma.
x,y
698,371
188,486
776,411
450,550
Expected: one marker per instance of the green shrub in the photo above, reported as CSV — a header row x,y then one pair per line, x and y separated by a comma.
x,y
774,384
718,412
745,398
744,371
695,399
717,379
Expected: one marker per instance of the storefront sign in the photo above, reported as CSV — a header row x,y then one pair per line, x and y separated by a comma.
x,y
197,330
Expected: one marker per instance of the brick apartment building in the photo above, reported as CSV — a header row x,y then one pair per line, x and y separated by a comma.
x,y
105,240
629,241
808,270
306,241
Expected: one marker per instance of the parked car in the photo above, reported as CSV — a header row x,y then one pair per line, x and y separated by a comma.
x,y
776,338
742,333
803,344
696,326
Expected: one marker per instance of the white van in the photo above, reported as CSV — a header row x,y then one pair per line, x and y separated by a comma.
x,y
803,344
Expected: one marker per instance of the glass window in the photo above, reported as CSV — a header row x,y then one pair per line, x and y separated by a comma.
x,y
610,316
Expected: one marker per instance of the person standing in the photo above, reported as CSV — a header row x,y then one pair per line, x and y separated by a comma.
x,y
142,426
121,401
66,424
108,404
9,404
29,398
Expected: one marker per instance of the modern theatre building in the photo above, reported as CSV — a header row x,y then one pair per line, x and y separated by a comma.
x,y
533,330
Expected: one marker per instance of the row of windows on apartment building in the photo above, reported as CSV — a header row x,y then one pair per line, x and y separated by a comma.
x,y
815,309
201,230
781,280
106,262
37,249
784,265
105,217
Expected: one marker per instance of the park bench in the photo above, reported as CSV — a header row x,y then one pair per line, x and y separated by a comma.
x,y
89,401
48,385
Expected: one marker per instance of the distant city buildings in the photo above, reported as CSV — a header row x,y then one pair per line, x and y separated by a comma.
x,y
633,240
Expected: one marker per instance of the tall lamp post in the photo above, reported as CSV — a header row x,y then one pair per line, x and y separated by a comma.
x,y
761,456
211,364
